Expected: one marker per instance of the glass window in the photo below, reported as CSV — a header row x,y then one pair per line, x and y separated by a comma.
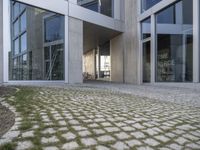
x,y
146,4
91,5
24,42
147,61
16,47
16,28
146,28
175,43
15,10
27,58
106,7
22,7
54,28
23,22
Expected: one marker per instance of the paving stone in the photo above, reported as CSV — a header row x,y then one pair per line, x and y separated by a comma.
x,y
112,129
49,131
28,134
78,128
100,147
52,139
193,146
181,140
151,132
51,148
63,129
122,135
69,136
62,123
144,148
128,128
98,131
105,138
94,125
70,146
11,134
138,135
106,124
175,146
133,143
162,138
151,142
138,126
120,146
186,127
24,145
84,133
89,141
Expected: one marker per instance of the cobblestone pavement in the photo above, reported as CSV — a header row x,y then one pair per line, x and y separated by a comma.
x,y
91,118
181,93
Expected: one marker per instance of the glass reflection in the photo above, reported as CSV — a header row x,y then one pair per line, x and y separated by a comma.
x,y
33,30
175,43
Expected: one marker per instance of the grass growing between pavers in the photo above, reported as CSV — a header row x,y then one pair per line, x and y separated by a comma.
x,y
8,146
46,107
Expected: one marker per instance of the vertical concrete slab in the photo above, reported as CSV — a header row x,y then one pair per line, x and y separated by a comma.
x,y
1,41
125,48
75,50
89,64
131,42
117,59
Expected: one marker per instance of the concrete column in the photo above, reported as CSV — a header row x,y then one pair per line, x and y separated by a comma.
x,y
1,41
196,41
75,50
99,62
153,48
131,43
117,59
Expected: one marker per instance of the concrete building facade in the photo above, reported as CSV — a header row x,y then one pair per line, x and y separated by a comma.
x,y
127,41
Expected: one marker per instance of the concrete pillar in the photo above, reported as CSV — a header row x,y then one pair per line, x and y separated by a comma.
x,y
99,62
196,42
117,59
75,50
1,41
131,43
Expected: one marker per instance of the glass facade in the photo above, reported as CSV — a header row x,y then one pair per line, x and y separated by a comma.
x,y
104,7
146,4
33,31
146,49
146,28
174,30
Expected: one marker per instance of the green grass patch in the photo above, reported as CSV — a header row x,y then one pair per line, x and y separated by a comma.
x,y
8,146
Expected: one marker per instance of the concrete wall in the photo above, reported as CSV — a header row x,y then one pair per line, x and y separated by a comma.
x,y
131,42
117,60
1,41
89,63
125,48
75,50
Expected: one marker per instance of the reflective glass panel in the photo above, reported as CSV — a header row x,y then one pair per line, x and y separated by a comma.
x,y
24,42
23,22
175,43
28,58
54,28
146,4
147,61
146,28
